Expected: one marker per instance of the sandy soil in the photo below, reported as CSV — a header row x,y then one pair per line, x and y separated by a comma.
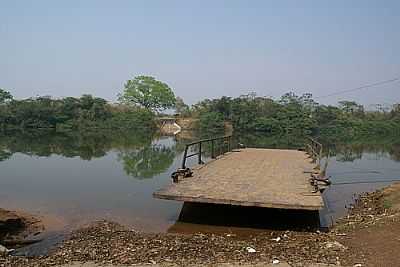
x,y
17,227
373,229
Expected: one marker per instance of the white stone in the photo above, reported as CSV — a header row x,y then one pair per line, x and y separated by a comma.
x,y
250,250
335,246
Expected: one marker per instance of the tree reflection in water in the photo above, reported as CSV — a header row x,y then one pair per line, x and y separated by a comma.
x,y
356,149
148,161
5,154
143,155
140,155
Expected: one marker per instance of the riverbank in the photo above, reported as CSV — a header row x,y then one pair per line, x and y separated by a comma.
x,y
367,236
18,228
110,243
372,228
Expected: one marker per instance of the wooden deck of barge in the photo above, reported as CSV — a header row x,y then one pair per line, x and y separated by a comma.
x,y
271,178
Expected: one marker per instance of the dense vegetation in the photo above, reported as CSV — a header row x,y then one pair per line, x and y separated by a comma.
x,y
296,115
70,113
143,97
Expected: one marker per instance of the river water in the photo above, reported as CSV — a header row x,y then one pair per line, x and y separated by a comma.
x,y
72,180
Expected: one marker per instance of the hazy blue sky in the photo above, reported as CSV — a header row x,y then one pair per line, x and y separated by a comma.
x,y
202,49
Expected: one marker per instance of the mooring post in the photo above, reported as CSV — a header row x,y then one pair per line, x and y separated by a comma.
x,y
200,161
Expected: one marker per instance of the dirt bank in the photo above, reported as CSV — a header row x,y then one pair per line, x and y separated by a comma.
x,y
16,228
369,236
188,124
10,222
372,229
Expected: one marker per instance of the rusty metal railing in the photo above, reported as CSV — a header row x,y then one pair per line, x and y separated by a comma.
x,y
224,146
318,177
315,149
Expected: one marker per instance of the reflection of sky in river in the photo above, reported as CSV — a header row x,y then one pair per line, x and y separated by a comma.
x,y
109,186
368,172
80,191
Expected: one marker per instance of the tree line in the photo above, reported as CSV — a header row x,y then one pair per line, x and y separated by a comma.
x,y
140,100
298,115
69,113
144,97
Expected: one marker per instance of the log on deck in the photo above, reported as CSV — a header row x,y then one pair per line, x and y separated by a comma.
x,y
269,178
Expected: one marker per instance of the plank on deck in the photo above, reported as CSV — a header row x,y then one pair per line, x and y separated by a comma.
x,y
250,177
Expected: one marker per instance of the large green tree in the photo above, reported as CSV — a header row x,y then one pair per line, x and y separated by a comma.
x,y
5,96
147,92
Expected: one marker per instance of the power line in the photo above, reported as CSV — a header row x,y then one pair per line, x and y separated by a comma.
x,y
361,87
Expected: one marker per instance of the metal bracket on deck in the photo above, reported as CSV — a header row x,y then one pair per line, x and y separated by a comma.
x,y
186,172
319,183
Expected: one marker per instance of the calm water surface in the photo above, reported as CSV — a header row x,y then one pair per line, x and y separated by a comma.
x,y
71,180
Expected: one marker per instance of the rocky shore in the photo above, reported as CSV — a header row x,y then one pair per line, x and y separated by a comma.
x,y
18,228
366,237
